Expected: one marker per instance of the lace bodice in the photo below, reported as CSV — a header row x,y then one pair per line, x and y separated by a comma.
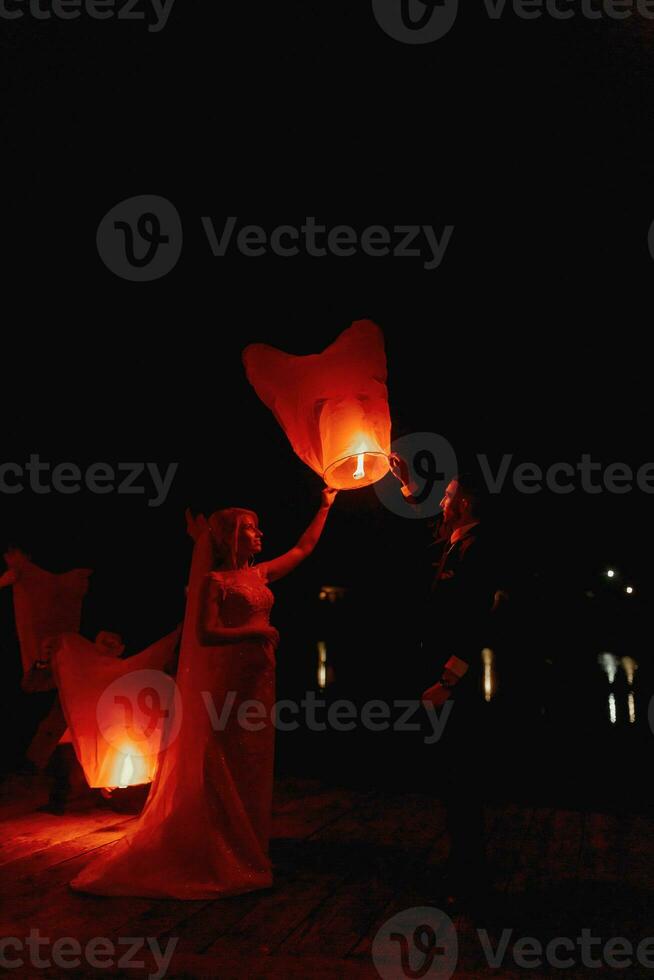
x,y
242,596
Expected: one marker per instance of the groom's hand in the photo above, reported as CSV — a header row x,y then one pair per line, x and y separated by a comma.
x,y
399,468
436,695
195,526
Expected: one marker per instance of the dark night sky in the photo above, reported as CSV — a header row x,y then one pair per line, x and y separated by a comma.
x,y
182,397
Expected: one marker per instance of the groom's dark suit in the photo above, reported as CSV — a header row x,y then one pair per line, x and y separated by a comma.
x,y
459,603
456,624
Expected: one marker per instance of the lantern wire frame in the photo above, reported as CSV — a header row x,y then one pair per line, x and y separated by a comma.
x,y
340,474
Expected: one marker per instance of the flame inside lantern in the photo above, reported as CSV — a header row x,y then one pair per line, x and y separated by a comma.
x,y
127,766
126,773
356,459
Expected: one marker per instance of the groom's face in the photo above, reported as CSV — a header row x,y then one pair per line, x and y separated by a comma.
x,y
450,504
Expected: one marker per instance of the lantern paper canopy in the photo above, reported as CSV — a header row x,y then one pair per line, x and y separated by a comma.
x,y
332,406
45,604
116,733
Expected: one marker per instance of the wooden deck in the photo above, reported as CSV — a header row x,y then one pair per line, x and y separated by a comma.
x,y
345,862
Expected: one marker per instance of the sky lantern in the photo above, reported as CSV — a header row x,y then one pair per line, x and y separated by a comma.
x,y
45,604
332,406
121,713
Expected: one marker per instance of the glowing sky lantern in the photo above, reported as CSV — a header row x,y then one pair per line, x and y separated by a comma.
x,y
121,714
332,406
45,605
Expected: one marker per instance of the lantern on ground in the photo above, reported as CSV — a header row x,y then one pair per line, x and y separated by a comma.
x,y
332,406
121,714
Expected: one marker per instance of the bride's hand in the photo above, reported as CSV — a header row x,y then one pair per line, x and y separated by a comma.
x,y
195,525
270,634
328,496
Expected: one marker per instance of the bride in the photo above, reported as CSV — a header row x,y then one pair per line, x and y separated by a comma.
x,y
205,828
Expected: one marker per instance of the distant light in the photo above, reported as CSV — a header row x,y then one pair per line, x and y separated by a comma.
x,y
629,590
609,664
630,667
322,664
612,711
332,592
610,573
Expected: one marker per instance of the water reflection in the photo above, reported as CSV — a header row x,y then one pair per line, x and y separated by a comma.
x,y
610,664
322,664
630,667
632,707
490,682
610,698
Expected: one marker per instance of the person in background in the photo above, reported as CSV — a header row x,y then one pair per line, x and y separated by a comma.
x,y
50,750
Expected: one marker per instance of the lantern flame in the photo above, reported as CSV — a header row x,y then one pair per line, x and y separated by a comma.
x,y
126,773
360,472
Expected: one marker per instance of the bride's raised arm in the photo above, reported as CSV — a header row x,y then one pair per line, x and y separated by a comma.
x,y
278,567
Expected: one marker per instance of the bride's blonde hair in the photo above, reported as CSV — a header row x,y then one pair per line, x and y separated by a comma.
x,y
225,526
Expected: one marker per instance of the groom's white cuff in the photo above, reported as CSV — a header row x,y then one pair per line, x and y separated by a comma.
x,y
409,490
457,666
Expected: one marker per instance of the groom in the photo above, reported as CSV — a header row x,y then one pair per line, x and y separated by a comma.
x,y
454,632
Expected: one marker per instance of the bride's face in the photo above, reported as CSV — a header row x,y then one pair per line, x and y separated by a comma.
x,y
249,539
